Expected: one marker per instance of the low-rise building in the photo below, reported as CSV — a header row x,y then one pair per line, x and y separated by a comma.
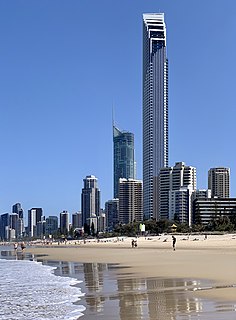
x,y
207,210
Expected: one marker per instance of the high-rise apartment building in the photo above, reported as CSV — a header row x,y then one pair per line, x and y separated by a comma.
x,y
164,187
101,223
124,163
17,209
14,221
4,224
130,200
155,108
77,220
183,176
90,201
64,222
20,228
41,228
219,182
51,227
34,216
175,182
112,211
180,205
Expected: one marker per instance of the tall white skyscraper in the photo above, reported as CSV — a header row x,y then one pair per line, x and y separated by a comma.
x,y
176,184
34,216
155,108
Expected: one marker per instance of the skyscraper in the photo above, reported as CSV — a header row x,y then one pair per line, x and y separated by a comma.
x,y
64,222
112,211
90,200
180,205
124,163
155,108
77,220
4,224
34,216
16,208
14,221
51,227
130,200
218,182
176,182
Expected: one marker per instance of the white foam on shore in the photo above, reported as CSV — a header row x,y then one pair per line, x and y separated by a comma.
x,y
30,290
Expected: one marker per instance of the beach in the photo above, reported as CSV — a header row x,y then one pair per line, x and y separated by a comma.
x,y
205,267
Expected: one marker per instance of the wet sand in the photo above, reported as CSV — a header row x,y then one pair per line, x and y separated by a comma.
x,y
212,259
111,295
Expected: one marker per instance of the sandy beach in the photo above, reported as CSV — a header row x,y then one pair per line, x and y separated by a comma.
x,y
195,257
148,282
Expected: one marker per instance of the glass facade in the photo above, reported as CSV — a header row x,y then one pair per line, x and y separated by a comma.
x,y
124,163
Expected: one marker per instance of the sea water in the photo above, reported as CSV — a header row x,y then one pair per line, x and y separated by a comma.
x,y
30,290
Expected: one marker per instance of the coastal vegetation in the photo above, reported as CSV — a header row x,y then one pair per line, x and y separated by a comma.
x,y
221,224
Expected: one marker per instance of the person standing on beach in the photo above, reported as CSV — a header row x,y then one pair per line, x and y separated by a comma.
x,y
173,242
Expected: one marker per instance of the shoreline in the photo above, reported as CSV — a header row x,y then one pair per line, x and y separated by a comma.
x,y
213,259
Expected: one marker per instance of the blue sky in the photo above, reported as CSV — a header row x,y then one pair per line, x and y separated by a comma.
x,y
63,64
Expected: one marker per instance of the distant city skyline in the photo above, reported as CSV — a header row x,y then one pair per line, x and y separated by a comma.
x,y
58,88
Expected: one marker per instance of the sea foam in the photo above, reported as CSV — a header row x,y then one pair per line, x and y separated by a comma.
x,y
30,290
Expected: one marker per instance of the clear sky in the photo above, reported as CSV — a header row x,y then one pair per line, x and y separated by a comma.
x,y
64,64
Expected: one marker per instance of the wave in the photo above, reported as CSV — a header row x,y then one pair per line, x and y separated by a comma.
x,y
30,290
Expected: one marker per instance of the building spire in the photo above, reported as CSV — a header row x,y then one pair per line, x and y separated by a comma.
x,y
113,114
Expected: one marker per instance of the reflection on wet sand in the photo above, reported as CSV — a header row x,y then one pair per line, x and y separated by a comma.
x,y
156,298
109,295
15,255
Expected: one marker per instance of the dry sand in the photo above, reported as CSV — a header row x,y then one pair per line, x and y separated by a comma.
x,y
195,257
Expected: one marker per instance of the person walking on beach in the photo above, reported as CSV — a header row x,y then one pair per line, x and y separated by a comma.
x,y
15,246
22,246
173,242
132,243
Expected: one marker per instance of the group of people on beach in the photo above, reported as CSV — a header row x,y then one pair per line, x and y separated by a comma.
x,y
22,245
134,243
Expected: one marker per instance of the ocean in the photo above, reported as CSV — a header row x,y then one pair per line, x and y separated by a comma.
x,y
31,290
